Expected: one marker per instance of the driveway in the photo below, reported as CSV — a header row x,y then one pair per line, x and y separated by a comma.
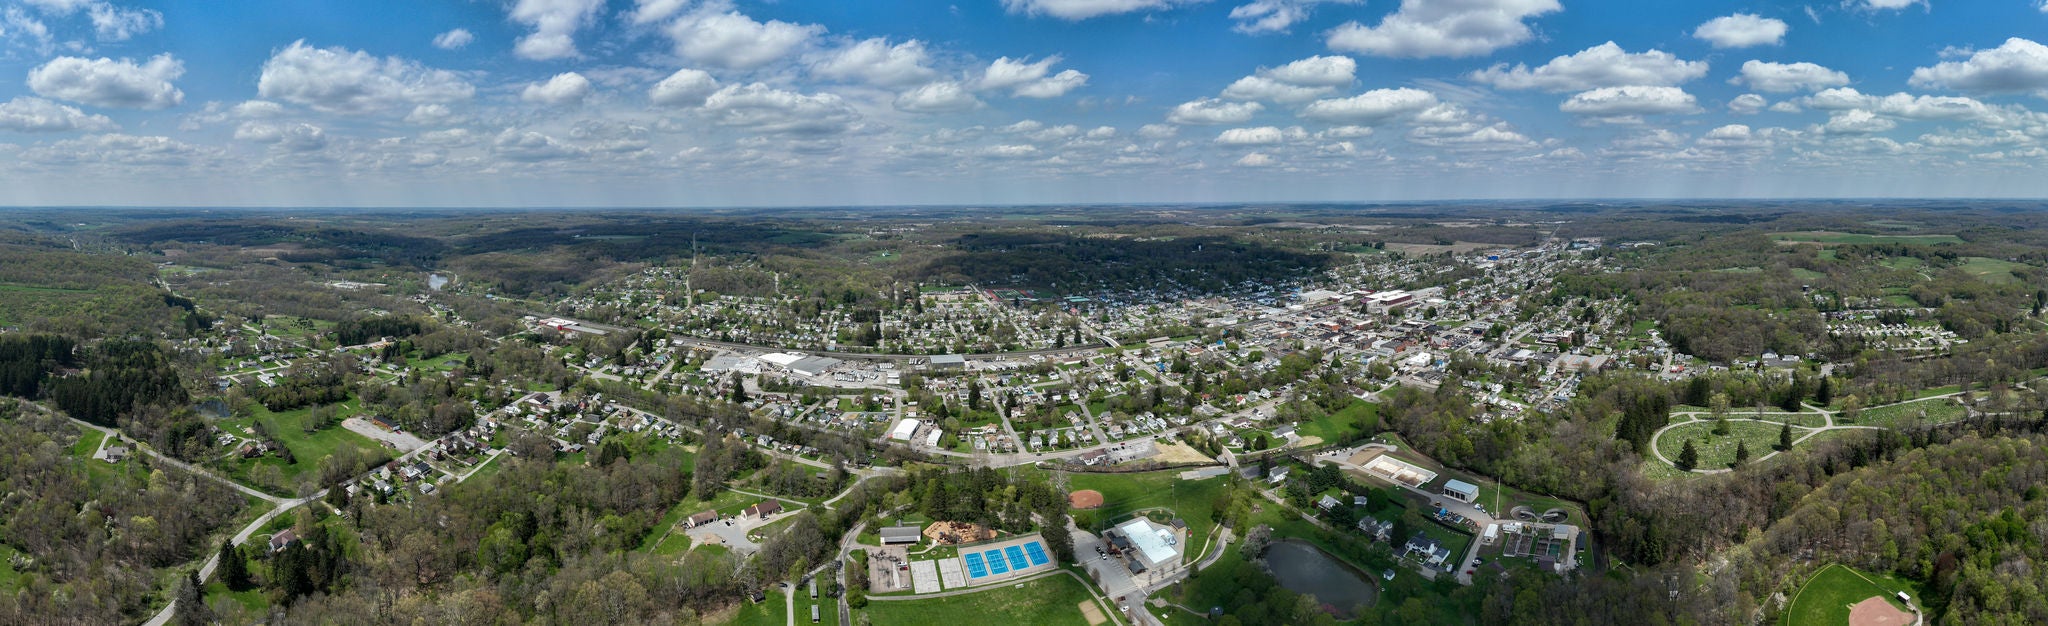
x,y
732,532
403,442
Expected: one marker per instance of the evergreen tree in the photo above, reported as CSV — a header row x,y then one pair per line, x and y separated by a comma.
x,y
1785,436
1720,426
1688,458
191,605
1741,453
234,569
1825,393
739,389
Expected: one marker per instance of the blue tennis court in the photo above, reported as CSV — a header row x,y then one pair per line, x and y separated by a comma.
x,y
995,562
974,567
1037,553
1016,554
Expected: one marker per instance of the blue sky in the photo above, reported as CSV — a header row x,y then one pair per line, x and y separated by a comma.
x,y
839,102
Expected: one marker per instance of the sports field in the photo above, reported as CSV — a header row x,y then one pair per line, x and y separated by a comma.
x,y
1051,601
1826,598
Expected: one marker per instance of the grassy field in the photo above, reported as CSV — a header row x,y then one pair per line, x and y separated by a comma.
x,y
1717,451
307,448
1124,494
1990,270
770,612
88,442
1825,599
1361,416
1936,410
1051,601
1832,237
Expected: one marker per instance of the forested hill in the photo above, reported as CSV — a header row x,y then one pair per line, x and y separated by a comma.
x,y
1069,265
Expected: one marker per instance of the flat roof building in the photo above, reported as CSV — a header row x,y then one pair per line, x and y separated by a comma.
x,y
1461,490
901,534
948,362
1153,546
905,430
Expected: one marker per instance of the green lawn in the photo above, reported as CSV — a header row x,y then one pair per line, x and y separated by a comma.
x,y
1935,411
88,442
1825,599
307,448
1717,451
1360,416
1990,270
1050,601
1124,494
251,600
8,577
770,612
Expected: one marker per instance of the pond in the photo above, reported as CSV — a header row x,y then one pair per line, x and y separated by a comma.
x,y
1306,569
436,281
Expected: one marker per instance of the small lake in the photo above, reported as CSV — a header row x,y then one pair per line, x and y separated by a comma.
x,y
1305,569
436,281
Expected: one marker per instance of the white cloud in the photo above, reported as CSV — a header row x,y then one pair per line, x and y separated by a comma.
x,y
17,26
1633,100
292,137
1734,137
1010,151
109,83
730,39
1604,65
2018,65
36,115
937,97
120,149
564,88
1783,77
554,24
432,115
1275,16
1874,5
1786,107
875,62
1316,71
454,39
59,8
1026,79
1747,104
1213,111
112,23
530,147
1158,131
685,88
1443,28
1083,9
1857,122
1263,88
1917,107
651,11
1257,159
1742,30
767,109
1371,107
1260,136
340,80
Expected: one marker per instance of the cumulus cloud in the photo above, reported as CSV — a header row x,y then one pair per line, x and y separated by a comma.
x,y
454,39
1026,79
717,36
1257,159
564,88
1874,5
554,24
1632,100
104,82
1742,30
1372,107
1073,10
1213,111
1158,131
651,11
2018,65
35,115
432,115
1275,16
1443,28
1747,104
1857,122
1916,107
119,149
1734,137
291,137
1299,81
530,147
767,109
937,97
339,80
1783,77
1260,136
685,88
875,62
1604,65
